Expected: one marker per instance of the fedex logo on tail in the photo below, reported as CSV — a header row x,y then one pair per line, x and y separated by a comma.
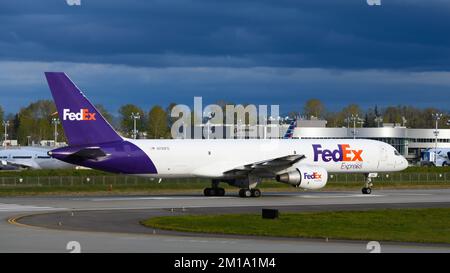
x,y
342,153
83,114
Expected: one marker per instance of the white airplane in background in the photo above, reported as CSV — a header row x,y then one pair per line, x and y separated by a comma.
x,y
31,158
242,163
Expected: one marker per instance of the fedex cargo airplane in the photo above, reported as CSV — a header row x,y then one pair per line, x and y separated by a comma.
x,y
242,163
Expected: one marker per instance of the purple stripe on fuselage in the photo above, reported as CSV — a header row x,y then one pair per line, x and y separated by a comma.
x,y
122,157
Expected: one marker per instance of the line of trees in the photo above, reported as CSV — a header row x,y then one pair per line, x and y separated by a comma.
x,y
34,122
409,116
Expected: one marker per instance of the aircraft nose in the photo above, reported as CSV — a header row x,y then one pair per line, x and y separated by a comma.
x,y
403,163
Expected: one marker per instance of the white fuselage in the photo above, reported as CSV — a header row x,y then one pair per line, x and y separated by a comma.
x,y
31,157
211,158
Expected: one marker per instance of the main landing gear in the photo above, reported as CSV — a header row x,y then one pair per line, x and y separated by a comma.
x,y
368,185
249,193
215,190
248,188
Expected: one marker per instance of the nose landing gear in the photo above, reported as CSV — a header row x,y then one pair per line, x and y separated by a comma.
x,y
368,184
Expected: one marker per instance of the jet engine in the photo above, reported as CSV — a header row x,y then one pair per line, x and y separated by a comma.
x,y
306,177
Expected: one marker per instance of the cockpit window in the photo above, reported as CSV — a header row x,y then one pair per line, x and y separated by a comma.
x,y
396,152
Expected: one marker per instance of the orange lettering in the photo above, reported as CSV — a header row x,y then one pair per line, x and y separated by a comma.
x,y
345,152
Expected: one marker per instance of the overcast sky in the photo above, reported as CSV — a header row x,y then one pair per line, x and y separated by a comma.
x,y
261,52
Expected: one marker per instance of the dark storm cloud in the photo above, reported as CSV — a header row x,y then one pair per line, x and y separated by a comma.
x,y
349,34
263,52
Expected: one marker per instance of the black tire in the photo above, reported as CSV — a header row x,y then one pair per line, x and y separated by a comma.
x,y
241,193
220,192
213,191
247,193
207,191
256,193
444,164
366,190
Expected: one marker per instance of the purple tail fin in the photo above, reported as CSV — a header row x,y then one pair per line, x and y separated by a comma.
x,y
82,123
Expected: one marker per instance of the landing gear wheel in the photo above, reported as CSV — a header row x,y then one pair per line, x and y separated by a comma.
x,y
220,192
214,192
366,190
241,193
256,193
207,192
245,193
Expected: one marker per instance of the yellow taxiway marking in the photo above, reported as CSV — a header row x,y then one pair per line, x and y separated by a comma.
x,y
13,221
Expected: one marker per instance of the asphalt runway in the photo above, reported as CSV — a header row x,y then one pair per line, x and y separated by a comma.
x,y
111,223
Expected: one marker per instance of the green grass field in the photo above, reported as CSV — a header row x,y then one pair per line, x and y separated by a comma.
x,y
91,182
403,225
191,187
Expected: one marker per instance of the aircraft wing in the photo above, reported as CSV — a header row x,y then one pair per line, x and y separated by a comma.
x,y
265,167
27,163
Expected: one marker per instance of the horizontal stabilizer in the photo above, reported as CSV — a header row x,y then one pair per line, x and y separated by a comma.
x,y
80,155
90,153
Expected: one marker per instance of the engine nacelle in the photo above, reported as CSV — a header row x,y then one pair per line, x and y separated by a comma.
x,y
306,177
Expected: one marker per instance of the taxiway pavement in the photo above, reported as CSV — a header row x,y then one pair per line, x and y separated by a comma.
x,y
111,223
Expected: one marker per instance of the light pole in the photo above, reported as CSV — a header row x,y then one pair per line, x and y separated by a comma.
x,y
436,117
355,118
347,119
134,117
404,121
209,116
55,122
378,120
6,125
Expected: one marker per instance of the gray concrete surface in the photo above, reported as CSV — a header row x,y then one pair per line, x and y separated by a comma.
x,y
110,224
